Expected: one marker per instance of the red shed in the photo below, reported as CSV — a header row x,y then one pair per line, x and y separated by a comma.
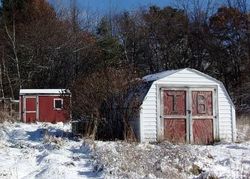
x,y
44,105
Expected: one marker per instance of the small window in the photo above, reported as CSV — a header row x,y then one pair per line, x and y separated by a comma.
x,y
58,104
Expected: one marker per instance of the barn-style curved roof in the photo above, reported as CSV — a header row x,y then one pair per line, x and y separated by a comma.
x,y
160,75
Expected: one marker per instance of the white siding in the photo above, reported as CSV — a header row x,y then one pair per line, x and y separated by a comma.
x,y
149,120
234,124
185,78
225,115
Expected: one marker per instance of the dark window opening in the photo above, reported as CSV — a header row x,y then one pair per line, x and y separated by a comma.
x,y
58,103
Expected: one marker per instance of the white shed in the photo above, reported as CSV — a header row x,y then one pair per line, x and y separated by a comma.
x,y
185,106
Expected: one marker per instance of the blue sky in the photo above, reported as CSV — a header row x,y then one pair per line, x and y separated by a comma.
x,y
103,6
119,5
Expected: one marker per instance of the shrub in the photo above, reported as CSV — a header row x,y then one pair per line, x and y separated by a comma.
x,y
99,99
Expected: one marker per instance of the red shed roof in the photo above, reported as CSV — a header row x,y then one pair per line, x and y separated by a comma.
x,y
43,91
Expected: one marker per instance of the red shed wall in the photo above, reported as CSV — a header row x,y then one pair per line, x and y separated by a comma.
x,y
47,113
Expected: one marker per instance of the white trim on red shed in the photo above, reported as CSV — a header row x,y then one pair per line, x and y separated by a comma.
x,y
43,91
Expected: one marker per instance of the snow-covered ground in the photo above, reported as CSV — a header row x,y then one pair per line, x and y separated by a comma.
x,y
50,151
43,151
226,160
166,160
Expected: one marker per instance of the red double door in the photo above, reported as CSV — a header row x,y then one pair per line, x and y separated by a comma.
x,y
188,115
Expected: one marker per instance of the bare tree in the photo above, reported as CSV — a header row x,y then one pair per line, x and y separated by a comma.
x,y
12,39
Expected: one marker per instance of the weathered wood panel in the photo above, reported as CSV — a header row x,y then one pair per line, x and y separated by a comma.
x,y
202,103
175,130
203,131
174,102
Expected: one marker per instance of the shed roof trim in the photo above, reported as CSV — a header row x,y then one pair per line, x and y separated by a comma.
x,y
157,76
43,91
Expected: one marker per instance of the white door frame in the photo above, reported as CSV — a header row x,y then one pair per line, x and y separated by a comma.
x,y
188,89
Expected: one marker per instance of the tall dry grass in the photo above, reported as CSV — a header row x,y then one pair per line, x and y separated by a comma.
x,y
243,127
4,116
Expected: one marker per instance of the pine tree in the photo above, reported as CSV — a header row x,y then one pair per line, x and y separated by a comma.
x,y
108,44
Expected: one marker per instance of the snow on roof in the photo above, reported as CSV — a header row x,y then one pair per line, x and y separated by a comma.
x,y
43,91
157,76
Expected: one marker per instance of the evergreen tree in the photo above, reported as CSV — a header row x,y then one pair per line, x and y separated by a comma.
x,y
109,45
